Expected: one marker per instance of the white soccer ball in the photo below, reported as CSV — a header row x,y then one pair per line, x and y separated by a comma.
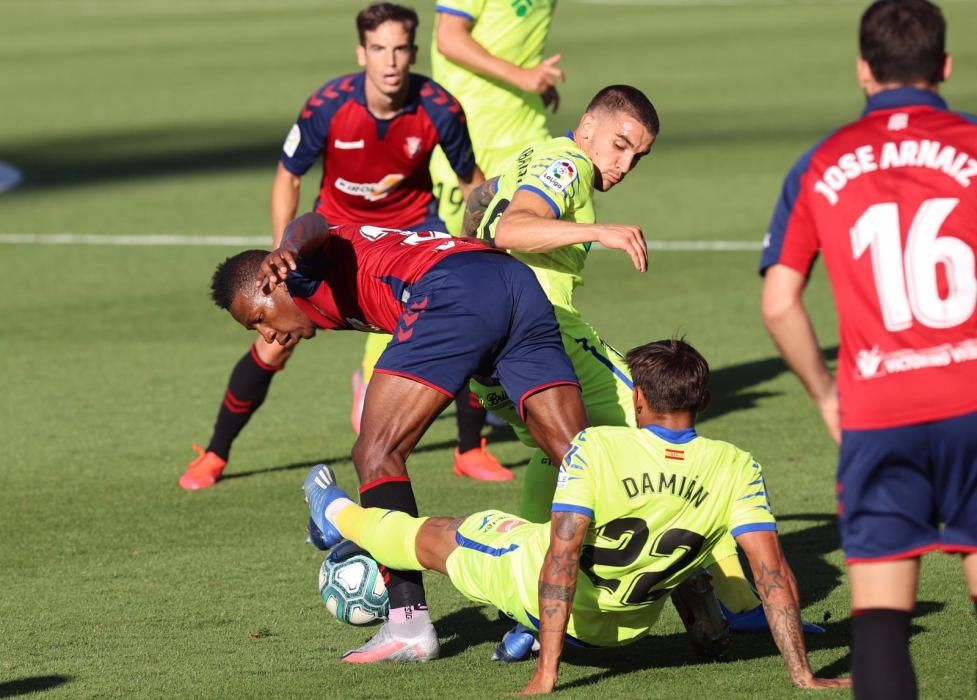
x,y
351,586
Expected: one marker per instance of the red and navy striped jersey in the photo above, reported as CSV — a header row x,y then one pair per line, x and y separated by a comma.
x,y
375,171
361,279
891,202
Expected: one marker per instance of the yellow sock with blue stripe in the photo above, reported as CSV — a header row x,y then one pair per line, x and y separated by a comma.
x,y
731,585
388,535
537,488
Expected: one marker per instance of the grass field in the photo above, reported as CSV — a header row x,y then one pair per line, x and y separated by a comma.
x,y
149,117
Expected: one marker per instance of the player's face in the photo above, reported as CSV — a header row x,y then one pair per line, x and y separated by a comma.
x,y
615,142
387,55
276,317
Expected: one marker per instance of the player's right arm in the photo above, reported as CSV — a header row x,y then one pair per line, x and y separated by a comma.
x,y
529,225
285,193
557,586
790,327
777,587
454,40
304,236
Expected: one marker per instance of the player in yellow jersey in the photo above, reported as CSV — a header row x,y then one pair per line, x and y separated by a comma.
x,y
489,55
542,209
636,511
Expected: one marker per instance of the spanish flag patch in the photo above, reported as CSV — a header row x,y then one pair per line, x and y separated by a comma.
x,y
674,454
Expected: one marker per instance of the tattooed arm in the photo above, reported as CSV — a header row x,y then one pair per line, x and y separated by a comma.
x,y
778,590
307,234
476,205
557,584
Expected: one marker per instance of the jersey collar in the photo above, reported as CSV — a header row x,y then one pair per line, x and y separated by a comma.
x,y
904,97
676,437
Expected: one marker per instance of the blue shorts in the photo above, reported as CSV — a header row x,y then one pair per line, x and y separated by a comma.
x,y
479,314
908,490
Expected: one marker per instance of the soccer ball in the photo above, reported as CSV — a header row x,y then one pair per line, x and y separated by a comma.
x,y
351,586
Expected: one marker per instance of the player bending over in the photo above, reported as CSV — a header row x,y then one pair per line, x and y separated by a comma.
x,y
426,289
637,510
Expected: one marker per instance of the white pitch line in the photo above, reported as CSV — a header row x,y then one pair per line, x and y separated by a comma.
x,y
160,240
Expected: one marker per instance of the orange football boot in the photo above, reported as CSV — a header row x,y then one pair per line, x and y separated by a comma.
x,y
479,464
204,471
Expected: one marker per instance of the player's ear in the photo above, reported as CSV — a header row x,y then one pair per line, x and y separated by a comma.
x,y
640,404
705,403
361,55
864,73
586,126
947,67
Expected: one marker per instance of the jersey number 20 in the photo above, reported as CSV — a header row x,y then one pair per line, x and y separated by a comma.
x,y
906,281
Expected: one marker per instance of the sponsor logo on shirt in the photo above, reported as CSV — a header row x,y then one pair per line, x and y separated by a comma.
x,y
348,145
412,146
559,175
370,191
292,141
874,363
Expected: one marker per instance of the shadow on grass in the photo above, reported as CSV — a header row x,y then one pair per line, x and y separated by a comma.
x,y
731,385
33,684
95,159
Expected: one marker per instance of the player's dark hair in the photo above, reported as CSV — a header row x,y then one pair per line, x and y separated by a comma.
x,y
671,374
375,14
624,98
236,274
904,41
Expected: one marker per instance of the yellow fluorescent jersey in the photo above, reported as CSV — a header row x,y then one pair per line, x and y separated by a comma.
x,y
659,501
560,173
513,30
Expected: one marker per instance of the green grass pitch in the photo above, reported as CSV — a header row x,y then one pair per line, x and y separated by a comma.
x,y
153,116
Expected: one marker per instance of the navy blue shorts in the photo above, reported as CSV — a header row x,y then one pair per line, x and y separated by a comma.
x,y
908,490
479,314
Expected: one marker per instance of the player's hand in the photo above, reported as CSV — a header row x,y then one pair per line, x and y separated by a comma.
x,y
551,98
828,405
541,77
541,684
274,269
630,239
812,682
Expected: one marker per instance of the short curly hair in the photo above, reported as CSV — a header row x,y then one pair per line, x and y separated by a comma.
x,y
237,274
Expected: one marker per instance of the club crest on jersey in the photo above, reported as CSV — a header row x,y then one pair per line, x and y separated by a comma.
x,y
412,146
559,175
370,191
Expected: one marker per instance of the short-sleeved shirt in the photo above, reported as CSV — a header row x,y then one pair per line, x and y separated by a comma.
x,y
891,202
515,31
562,175
659,500
376,171
361,279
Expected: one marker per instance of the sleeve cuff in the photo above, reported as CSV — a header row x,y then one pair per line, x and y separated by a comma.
x,y
453,11
549,200
567,508
753,527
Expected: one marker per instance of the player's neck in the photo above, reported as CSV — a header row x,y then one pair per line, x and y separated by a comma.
x,y
679,420
384,106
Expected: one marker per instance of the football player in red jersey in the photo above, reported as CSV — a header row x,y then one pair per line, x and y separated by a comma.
x,y
374,132
426,289
891,202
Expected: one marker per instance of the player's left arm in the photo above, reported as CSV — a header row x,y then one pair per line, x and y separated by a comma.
x,y
777,587
476,204
467,184
789,324
557,585
306,235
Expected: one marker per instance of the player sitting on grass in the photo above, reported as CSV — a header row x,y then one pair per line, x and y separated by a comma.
x,y
637,510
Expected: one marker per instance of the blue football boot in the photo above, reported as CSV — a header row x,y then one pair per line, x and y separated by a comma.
x,y
755,620
321,490
518,644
